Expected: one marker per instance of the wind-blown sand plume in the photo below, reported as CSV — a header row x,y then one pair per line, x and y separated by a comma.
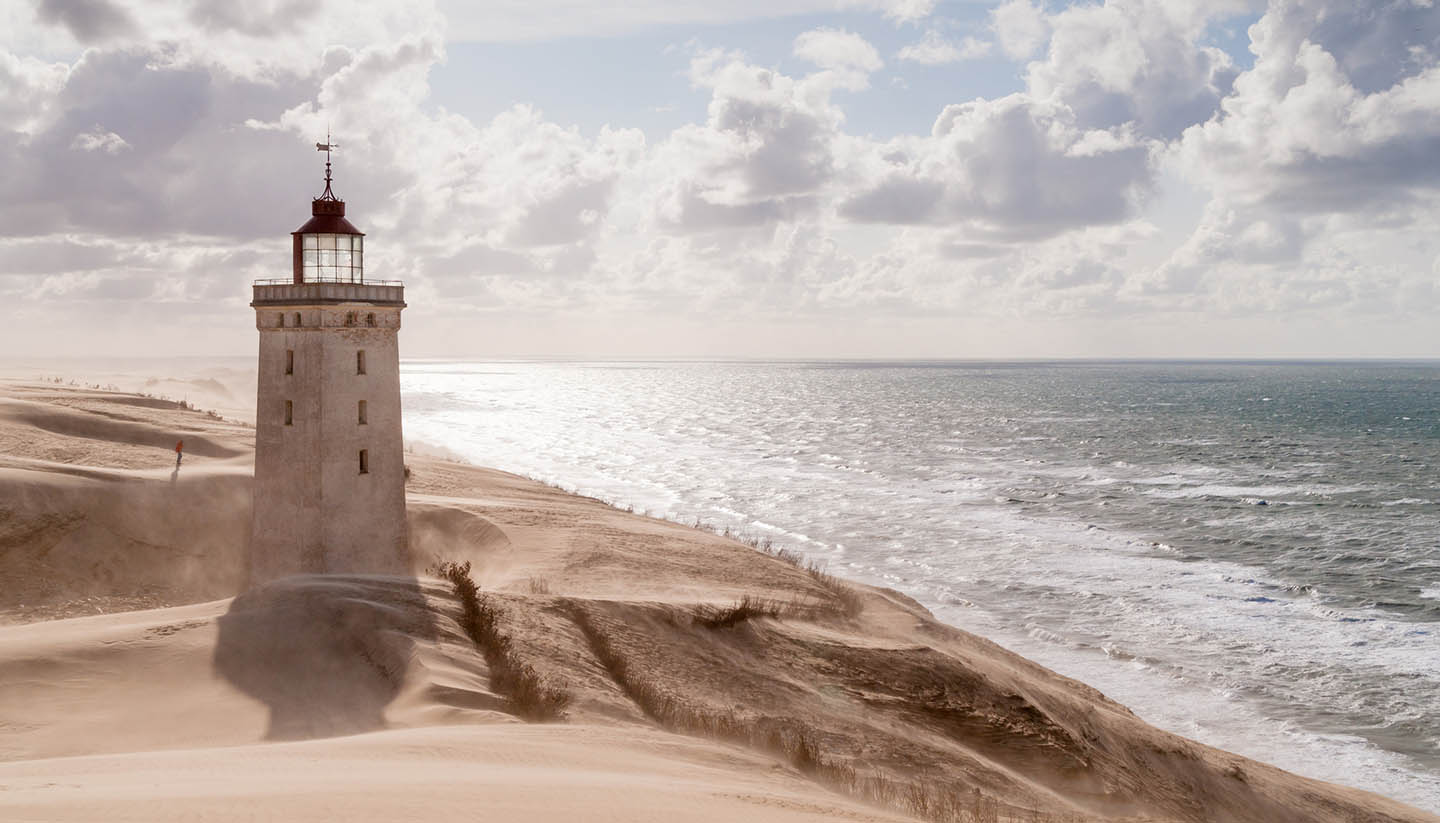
x,y
687,676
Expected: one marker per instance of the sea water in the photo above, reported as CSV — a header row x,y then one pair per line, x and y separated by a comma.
x,y
1247,554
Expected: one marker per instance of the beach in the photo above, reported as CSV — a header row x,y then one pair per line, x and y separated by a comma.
x,y
693,675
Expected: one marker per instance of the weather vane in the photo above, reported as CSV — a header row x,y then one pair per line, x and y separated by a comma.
x,y
326,147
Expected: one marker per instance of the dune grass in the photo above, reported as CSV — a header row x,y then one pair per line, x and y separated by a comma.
x,y
794,743
752,607
529,694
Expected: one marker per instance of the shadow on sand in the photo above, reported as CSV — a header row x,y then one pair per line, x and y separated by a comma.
x,y
325,653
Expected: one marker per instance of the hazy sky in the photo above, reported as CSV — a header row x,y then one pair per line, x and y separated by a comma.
x,y
752,178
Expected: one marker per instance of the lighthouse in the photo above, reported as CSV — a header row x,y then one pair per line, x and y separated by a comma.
x,y
329,454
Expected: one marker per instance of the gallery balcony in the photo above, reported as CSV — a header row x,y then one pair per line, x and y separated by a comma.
x,y
286,292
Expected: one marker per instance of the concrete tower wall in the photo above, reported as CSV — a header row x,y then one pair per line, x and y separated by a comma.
x,y
315,510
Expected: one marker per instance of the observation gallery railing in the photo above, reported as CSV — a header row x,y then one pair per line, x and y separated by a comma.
x,y
288,292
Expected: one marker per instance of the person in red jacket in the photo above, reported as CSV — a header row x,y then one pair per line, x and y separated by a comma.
x,y
179,446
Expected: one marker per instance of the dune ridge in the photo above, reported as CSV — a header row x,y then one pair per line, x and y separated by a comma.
x,y
701,678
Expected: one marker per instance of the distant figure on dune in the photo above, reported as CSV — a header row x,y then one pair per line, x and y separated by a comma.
x,y
179,452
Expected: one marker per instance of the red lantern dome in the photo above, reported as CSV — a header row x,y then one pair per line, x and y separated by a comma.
x,y
328,249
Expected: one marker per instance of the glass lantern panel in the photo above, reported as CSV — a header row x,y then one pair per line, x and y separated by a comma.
x,y
327,241
359,261
309,240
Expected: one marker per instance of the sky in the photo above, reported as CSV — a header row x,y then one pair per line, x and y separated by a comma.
x,y
786,178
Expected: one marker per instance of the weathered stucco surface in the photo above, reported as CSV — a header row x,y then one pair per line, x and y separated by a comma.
x,y
315,512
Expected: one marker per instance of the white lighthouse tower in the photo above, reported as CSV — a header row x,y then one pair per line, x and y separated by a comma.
x,y
329,456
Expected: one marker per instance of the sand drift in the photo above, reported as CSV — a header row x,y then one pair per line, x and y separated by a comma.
x,y
606,666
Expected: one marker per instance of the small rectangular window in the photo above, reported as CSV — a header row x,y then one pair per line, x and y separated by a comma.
x,y
289,413
289,361
364,461
359,362
362,412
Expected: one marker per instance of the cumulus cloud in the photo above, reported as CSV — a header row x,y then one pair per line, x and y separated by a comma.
x,y
1334,128
256,18
906,11
1020,26
171,160
97,139
764,154
1009,169
837,49
90,21
120,147
934,50
28,87
1299,134
1139,61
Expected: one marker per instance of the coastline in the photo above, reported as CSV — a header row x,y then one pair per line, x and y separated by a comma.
x,y
1010,520
1021,734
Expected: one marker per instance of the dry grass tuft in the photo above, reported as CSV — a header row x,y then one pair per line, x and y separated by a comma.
x,y
848,598
529,694
746,608
798,745
750,607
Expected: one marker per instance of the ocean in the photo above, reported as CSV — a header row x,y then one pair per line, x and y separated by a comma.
x,y
1247,554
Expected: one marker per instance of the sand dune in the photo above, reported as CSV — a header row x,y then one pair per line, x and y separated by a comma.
x,y
486,773
367,696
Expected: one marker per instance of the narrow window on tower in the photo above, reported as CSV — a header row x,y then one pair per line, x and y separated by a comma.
x,y
359,362
364,461
289,413
362,412
297,319
289,361
370,319
280,320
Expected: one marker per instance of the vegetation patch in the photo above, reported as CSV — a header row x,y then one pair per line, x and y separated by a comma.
x,y
530,695
792,742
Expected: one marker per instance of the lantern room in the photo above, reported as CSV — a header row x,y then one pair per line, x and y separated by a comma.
x,y
328,249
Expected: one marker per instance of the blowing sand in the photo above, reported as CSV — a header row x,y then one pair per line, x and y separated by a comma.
x,y
142,681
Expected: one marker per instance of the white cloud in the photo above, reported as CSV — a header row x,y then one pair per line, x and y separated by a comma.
x,y
764,154
1007,170
1137,61
907,11
1300,153
549,19
1318,164
28,87
253,40
934,50
837,50
1020,26
97,139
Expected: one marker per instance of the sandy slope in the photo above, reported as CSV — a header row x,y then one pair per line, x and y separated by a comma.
x,y
362,696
